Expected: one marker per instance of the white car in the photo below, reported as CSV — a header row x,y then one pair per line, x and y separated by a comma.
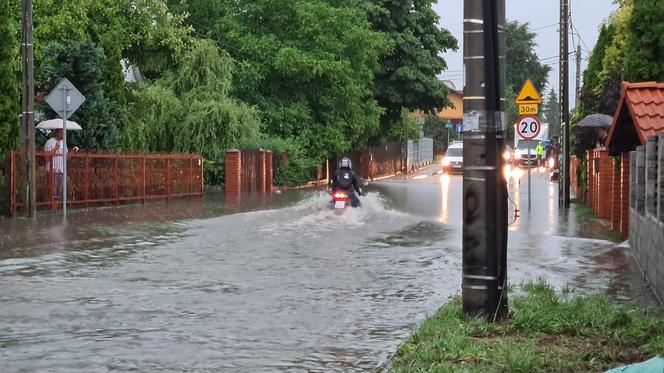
x,y
453,160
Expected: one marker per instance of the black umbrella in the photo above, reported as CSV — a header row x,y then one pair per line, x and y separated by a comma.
x,y
595,121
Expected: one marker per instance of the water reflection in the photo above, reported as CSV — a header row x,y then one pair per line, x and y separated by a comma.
x,y
444,198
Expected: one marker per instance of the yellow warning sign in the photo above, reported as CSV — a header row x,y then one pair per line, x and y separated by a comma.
x,y
528,94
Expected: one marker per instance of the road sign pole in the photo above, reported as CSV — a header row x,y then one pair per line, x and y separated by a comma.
x,y
529,184
64,153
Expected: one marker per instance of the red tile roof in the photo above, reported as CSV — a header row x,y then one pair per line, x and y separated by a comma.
x,y
645,102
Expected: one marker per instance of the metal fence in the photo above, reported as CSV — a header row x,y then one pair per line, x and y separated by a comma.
x,y
109,178
420,152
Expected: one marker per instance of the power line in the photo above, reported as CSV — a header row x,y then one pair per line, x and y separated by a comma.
x,y
581,37
543,27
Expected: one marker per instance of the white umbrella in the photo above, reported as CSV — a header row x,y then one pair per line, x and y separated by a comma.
x,y
56,124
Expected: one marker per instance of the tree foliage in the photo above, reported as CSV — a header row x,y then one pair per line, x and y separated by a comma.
x,y
142,31
190,110
644,50
551,113
9,95
407,77
521,61
81,63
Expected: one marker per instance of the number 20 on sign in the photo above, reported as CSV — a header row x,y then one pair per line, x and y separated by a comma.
x,y
528,127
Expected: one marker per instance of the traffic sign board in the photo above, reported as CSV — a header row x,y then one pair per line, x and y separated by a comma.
x,y
528,127
528,109
65,94
528,94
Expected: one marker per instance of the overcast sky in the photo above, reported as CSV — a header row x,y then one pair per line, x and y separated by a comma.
x,y
543,16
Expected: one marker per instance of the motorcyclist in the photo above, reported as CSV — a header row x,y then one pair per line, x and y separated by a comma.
x,y
345,179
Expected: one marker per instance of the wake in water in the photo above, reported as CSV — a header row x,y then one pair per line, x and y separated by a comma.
x,y
314,213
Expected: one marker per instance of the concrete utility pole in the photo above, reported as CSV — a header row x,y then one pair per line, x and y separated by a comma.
x,y
28,114
578,74
564,100
484,187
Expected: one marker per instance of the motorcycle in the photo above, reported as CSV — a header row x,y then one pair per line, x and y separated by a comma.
x,y
340,200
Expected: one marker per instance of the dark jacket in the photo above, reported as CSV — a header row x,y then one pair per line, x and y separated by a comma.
x,y
345,179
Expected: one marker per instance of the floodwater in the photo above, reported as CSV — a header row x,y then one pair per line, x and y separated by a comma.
x,y
264,283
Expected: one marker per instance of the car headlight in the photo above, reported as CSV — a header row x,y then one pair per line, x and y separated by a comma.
x,y
446,162
517,155
507,155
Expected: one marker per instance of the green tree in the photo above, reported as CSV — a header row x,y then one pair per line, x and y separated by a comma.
x,y
521,61
82,63
644,50
407,77
142,31
9,95
511,114
308,66
190,110
551,113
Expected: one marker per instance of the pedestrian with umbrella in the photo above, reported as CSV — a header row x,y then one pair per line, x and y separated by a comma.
x,y
56,148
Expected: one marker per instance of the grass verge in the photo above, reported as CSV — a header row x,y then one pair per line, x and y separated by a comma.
x,y
546,332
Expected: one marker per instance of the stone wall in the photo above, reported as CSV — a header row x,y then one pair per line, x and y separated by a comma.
x,y
646,220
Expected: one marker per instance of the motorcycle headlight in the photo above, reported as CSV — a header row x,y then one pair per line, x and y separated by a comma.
x,y
552,162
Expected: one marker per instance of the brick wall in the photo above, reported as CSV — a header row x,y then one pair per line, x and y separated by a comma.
x,y
624,195
601,171
604,184
233,166
574,179
616,202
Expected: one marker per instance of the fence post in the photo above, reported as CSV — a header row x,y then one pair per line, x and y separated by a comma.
x,y
660,178
640,180
116,173
86,179
51,181
233,171
12,183
269,182
143,180
615,196
651,176
168,177
191,176
632,179
624,194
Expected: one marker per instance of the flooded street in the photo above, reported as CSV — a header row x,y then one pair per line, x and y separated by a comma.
x,y
266,283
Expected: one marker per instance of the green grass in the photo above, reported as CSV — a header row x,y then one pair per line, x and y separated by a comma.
x,y
546,332
584,213
613,236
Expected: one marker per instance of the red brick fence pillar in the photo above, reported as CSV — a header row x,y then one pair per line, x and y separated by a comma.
x,y
233,171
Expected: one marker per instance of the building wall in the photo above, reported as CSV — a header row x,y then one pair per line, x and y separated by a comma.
x,y
457,112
